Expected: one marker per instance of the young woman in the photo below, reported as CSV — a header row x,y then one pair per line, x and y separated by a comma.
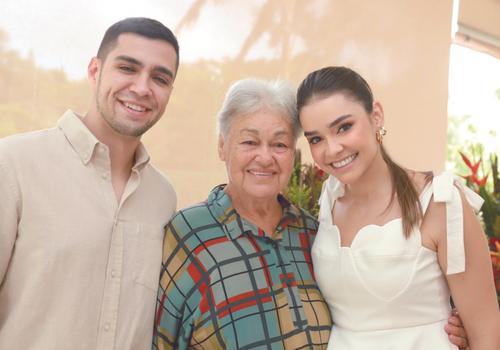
x,y
392,242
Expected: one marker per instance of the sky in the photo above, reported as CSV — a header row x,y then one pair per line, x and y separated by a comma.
x,y
64,35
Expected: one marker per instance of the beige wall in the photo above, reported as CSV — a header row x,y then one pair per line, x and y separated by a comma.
x,y
482,15
400,46
479,26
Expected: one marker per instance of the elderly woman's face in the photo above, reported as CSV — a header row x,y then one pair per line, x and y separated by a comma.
x,y
259,151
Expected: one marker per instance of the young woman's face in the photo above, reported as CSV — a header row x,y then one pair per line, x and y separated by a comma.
x,y
341,135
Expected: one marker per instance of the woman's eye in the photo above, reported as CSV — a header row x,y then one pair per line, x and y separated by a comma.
x,y
344,127
249,142
314,140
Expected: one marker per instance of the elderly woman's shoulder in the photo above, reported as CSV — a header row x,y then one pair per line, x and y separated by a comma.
x,y
192,225
194,216
308,219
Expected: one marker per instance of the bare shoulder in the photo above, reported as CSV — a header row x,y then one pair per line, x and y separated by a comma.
x,y
433,226
420,179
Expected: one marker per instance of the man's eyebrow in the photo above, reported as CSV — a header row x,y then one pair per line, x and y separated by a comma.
x,y
129,60
331,125
136,62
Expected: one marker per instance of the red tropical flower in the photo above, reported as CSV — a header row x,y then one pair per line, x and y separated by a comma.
x,y
474,167
475,180
320,174
466,160
481,182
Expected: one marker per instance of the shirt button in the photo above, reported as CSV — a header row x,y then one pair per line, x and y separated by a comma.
x,y
104,176
107,327
114,273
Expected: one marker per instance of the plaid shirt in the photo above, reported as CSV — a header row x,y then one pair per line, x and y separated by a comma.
x,y
224,284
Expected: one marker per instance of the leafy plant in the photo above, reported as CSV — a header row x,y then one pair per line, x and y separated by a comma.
x,y
488,190
490,211
305,185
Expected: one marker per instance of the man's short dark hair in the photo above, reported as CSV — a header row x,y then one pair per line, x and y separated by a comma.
x,y
142,26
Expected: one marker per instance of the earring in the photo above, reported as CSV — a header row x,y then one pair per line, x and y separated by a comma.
x,y
379,134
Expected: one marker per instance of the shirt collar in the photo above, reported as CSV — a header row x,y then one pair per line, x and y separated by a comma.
x,y
84,142
234,225
77,134
141,157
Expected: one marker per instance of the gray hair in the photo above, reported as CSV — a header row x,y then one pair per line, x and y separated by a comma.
x,y
249,96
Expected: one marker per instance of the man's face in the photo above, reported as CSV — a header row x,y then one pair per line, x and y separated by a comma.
x,y
133,84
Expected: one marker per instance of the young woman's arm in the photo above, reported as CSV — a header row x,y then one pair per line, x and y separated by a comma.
x,y
473,290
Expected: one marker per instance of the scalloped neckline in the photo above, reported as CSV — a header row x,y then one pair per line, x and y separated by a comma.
x,y
363,228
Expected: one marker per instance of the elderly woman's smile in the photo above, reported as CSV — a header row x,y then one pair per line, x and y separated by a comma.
x,y
261,173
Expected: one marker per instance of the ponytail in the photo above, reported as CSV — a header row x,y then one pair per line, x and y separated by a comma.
x,y
404,189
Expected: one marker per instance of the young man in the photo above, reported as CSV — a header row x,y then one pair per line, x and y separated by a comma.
x,y
82,209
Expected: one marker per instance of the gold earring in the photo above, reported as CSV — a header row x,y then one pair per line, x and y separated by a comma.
x,y
379,134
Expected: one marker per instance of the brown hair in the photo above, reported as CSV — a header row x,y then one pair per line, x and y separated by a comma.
x,y
329,80
146,27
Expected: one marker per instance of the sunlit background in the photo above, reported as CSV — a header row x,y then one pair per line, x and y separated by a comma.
x,y
420,69
474,97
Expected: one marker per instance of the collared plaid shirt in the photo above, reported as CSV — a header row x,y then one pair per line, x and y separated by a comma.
x,y
224,284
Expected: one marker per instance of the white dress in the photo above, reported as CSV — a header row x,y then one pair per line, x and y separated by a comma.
x,y
386,291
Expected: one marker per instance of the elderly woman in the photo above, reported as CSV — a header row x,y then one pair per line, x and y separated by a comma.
x,y
237,269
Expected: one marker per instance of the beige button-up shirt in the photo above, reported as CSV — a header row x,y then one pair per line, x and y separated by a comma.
x,y
78,270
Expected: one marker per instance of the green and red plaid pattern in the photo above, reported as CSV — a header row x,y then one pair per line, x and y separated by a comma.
x,y
224,284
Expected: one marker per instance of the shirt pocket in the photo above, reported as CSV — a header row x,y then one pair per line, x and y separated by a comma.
x,y
148,245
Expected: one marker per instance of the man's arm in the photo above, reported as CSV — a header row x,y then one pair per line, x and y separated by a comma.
x,y
9,215
456,331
